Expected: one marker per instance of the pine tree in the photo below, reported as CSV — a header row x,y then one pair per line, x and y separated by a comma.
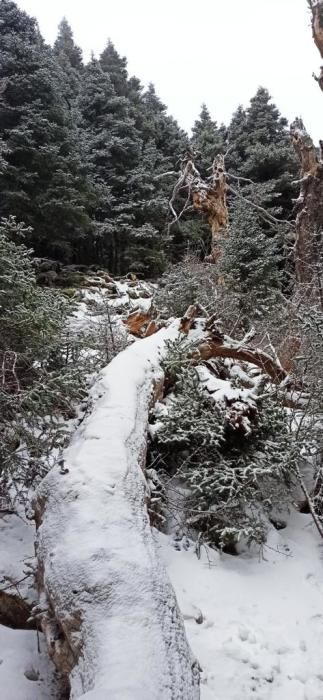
x,y
237,140
251,263
65,44
131,143
70,59
114,148
116,67
260,149
44,182
260,153
169,138
208,140
235,460
38,380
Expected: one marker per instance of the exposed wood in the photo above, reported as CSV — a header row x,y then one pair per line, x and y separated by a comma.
x,y
316,8
226,349
15,612
211,200
309,220
142,324
187,322
209,197
214,344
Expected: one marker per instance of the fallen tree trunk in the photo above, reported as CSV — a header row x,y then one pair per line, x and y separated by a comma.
x,y
110,615
215,344
225,349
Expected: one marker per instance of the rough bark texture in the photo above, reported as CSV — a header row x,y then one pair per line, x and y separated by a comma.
x,y
216,348
209,197
110,615
211,200
316,7
309,220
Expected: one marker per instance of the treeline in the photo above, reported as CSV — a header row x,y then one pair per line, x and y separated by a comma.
x,y
86,156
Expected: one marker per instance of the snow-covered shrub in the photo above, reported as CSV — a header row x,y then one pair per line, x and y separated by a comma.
x,y
41,376
189,281
234,457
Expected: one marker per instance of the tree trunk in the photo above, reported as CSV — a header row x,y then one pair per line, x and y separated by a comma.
x,y
110,615
309,220
317,23
211,200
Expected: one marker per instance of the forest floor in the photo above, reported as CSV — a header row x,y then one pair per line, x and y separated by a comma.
x,y
254,621
26,672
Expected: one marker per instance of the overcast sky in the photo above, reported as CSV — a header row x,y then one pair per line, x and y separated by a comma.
x,y
194,51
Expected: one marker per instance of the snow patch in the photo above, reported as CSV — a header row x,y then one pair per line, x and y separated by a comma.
x,y
261,633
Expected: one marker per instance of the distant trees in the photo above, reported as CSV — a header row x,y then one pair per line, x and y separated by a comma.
x,y
84,150
43,182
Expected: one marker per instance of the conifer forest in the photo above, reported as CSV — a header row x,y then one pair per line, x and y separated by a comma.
x,y
161,383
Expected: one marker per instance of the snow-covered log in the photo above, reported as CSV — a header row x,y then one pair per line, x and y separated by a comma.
x,y
109,613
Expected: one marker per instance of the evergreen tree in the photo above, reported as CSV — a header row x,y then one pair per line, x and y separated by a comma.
x,y
260,153
208,140
39,380
235,460
260,149
156,124
250,263
65,45
116,67
131,142
44,182
70,59
113,152
237,140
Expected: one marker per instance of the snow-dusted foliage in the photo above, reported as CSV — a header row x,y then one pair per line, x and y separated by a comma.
x,y
188,282
42,372
230,450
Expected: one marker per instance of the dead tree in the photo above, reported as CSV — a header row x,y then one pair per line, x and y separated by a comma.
x,y
208,197
316,7
211,199
213,343
309,206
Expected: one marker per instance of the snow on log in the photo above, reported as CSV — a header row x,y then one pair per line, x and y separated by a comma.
x,y
109,613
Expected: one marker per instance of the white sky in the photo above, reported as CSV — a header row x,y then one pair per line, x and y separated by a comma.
x,y
194,51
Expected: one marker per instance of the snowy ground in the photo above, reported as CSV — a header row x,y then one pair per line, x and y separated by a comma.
x,y
25,670
255,624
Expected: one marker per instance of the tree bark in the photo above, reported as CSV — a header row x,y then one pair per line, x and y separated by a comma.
x,y
309,220
316,7
228,349
211,200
